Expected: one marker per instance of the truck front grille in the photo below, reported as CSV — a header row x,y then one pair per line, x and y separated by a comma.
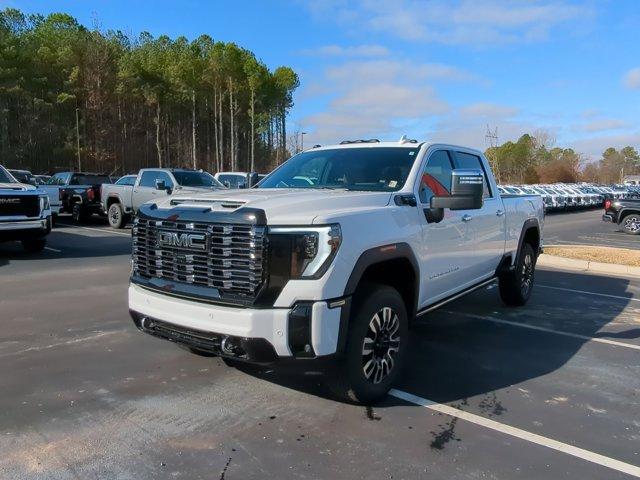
x,y
228,257
15,205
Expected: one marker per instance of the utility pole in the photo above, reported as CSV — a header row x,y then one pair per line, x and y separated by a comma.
x,y
302,134
78,137
491,137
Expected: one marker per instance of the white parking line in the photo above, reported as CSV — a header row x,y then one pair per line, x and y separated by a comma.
x,y
53,249
544,329
590,293
101,230
59,344
581,453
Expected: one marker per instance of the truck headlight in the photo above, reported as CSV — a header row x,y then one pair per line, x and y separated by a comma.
x,y
310,250
44,203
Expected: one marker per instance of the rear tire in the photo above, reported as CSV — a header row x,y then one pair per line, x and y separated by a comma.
x,y
516,285
631,224
34,245
116,216
376,346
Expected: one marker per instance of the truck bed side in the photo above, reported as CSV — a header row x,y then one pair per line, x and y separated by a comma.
x,y
521,210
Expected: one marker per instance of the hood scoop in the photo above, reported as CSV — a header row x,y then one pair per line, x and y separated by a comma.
x,y
213,204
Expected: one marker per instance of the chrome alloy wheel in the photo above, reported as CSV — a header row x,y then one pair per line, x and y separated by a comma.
x,y
632,224
380,345
527,274
114,215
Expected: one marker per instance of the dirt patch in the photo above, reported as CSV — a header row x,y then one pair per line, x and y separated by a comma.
x,y
620,256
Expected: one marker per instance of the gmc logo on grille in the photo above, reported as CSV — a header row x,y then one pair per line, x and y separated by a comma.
x,y
9,201
184,240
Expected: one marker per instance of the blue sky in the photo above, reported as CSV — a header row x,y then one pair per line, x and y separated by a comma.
x,y
432,69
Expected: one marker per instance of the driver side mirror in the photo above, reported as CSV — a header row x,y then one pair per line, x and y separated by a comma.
x,y
161,185
467,188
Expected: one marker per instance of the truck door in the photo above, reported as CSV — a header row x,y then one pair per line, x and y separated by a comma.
x,y
146,190
445,243
487,226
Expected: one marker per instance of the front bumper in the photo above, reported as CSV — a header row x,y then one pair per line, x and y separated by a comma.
x,y
257,335
607,217
23,229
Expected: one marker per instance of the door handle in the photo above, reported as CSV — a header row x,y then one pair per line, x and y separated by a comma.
x,y
466,218
500,213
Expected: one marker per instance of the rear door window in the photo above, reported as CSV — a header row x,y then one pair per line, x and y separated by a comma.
x,y
467,160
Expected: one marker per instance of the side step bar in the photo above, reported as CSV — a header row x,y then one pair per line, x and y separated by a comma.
x,y
443,302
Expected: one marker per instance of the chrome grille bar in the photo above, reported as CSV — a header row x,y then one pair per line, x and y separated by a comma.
x,y
231,259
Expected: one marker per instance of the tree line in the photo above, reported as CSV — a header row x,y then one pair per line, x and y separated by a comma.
x,y
534,159
72,95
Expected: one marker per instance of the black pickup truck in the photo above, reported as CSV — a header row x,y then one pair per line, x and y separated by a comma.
x,y
625,213
76,193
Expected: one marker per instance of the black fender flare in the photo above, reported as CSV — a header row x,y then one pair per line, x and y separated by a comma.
x,y
368,258
531,223
624,210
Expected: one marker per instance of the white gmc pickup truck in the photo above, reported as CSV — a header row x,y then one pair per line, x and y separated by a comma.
x,y
332,257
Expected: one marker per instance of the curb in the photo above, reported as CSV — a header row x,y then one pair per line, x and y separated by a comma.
x,y
547,260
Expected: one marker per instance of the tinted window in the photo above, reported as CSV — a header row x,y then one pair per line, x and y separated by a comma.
x,y
436,178
466,160
128,180
149,179
234,181
360,168
196,179
84,179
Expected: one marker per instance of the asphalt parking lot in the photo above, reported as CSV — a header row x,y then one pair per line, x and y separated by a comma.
x,y
585,228
547,391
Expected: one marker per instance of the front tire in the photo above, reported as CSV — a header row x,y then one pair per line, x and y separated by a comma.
x,y
34,245
117,217
516,285
376,346
631,224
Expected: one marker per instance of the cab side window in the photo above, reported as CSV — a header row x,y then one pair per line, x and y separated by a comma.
x,y
149,178
436,177
467,160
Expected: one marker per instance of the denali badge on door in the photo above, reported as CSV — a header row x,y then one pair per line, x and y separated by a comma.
x,y
183,240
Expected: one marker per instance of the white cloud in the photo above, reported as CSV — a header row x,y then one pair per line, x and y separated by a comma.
x,y
593,146
467,125
471,22
361,51
488,110
378,98
603,124
631,79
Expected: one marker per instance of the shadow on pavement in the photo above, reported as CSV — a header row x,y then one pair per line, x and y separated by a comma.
x,y
453,357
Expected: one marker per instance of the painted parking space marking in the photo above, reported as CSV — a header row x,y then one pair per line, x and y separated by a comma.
x,y
544,329
101,230
565,448
584,292
61,344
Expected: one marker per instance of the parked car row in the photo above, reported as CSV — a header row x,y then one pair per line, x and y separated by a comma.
x,y
572,196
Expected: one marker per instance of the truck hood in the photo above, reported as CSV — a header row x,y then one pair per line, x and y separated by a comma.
x,y
284,206
22,187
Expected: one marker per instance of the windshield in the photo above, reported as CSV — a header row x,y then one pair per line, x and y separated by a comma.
x,y
377,169
87,179
5,177
196,179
